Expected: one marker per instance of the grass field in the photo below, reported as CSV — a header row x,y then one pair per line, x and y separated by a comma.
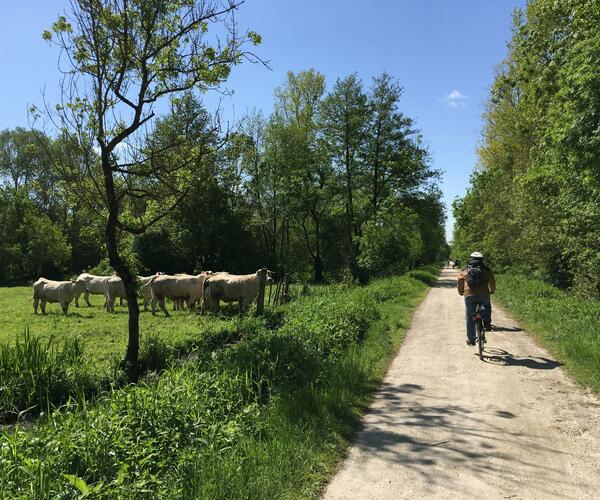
x,y
567,326
267,416
103,334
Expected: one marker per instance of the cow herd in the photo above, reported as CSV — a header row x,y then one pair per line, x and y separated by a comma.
x,y
206,289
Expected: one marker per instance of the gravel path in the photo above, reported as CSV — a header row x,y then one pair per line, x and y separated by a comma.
x,y
447,425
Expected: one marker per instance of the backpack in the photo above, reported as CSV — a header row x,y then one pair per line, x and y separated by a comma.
x,y
474,276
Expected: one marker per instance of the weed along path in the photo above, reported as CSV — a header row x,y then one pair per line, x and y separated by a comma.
x,y
447,425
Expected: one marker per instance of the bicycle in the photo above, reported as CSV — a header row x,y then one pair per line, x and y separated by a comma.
x,y
479,327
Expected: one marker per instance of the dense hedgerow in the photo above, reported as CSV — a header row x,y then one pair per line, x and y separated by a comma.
x,y
261,412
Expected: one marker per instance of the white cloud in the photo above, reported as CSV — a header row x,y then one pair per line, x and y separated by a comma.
x,y
455,99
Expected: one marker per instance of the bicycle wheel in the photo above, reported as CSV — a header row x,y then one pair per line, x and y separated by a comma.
x,y
479,333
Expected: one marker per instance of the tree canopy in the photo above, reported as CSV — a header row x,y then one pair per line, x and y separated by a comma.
x,y
534,202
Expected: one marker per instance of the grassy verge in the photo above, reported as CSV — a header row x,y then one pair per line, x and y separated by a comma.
x,y
568,327
267,417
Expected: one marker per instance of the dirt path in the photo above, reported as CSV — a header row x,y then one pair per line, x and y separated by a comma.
x,y
447,425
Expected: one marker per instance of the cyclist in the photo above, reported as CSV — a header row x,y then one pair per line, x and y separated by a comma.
x,y
476,282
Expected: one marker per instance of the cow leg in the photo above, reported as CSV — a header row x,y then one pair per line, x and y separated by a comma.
x,y
241,304
43,306
36,301
65,307
121,301
77,300
191,303
86,297
110,301
161,303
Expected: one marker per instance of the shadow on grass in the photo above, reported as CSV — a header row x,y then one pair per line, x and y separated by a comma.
x,y
501,357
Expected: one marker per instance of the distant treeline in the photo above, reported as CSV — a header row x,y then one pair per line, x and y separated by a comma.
x,y
534,203
329,185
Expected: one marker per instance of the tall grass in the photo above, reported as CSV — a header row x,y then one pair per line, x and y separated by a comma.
x,y
567,326
262,413
37,375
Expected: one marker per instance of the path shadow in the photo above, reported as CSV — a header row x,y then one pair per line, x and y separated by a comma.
x,y
433,438
498,356
445,283
506,329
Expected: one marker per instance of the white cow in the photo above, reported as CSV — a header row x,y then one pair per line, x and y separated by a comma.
x,y
93,285
177,288
63,292
232,288
113,289
179,304
146,291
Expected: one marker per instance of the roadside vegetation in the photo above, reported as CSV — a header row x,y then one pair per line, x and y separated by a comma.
x,y
267,414
533,204
569,327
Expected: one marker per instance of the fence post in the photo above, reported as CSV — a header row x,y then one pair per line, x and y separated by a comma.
x,y
286,290
260,300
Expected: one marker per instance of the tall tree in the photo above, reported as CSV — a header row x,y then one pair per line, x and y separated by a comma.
x,y
396,160
264,186
345,117
308,171
122,58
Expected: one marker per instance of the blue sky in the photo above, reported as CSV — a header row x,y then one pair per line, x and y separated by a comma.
x,y
443,53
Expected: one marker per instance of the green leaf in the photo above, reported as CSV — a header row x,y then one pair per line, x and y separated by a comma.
x,y
79,483
254,37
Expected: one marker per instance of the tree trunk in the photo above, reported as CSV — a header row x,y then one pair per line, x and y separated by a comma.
x,y
130,363
318,267
318,262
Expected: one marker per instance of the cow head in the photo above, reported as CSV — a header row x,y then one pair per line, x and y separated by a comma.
x,y
270,279
79,285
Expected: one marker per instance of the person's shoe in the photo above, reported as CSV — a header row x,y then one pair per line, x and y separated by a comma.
x,y
470,342
487,327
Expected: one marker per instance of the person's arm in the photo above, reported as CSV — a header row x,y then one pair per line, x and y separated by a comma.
x,y
461,283
492,283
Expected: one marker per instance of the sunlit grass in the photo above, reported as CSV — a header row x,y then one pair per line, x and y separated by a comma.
x,y
266,416
103,334
567,326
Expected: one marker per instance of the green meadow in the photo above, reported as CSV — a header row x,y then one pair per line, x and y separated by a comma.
x,y
236,407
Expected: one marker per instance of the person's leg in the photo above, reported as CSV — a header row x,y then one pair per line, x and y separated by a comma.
x,y
487,313
469,310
